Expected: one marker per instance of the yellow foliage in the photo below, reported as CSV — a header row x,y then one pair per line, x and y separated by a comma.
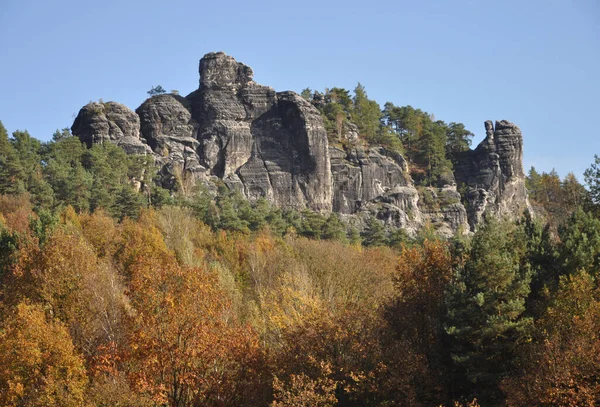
x,y
38,363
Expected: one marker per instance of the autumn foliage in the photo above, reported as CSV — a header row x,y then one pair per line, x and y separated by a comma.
x,y
165,311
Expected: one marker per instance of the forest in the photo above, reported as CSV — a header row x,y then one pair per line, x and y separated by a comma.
x,y
117,292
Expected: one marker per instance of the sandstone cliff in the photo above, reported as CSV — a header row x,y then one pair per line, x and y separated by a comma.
x,y
274,145
492,174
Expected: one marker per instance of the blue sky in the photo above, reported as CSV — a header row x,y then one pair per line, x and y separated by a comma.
x,y
535,63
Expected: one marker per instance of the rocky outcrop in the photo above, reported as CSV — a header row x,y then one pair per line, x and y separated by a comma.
x,y
274,145
360,176
492,175
168,128
267,144
101,122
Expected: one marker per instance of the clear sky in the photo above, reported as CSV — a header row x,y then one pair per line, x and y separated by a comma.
x,y
533,62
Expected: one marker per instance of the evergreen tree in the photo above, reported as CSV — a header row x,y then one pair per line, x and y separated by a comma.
x,y
228,213
12,174
354,236
458,139
366,114
127,203
334,228
542,257
307,94
580,243
592,179
374,233
28,152
532,182
432,152
66,174
485,303
312,224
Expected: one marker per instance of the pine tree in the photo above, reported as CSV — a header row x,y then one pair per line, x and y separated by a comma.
x,y
580,243
486,302
334,228
592,179
366,113
374,233
12,174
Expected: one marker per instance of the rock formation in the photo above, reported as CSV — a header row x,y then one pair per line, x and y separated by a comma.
x,y
111,122
274,145
493,175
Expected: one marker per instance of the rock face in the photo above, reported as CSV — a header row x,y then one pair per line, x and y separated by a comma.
x,y
169,129
267,144
100,122
492,174
274,145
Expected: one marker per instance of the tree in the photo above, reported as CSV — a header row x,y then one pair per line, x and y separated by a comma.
x,y
12,174
561,365
28,151
458,139
156,90
183,352
374,233
432,153
307,94
334,228
185,348
580,243
423,274
38,363
532,182
302,391
592,180
486,303
66,173
366,113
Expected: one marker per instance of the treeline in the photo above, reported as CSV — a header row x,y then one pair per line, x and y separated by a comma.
x,y
430,145
163,310
556,199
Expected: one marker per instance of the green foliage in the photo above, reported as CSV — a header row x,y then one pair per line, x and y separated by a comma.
x,y
156,90
374,233
542,257
486,305
556,198
307,94
334,228
592,179
12,173
43,225
580,243
9,244
458,139
428,144
366,114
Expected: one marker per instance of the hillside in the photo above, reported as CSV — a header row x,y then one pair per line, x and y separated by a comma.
x,y
276,145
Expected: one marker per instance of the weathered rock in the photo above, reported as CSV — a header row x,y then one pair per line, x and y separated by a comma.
x,y
360,176
226,103
274,145
167,124
169,129
100,122
492,174
267,144
443,210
